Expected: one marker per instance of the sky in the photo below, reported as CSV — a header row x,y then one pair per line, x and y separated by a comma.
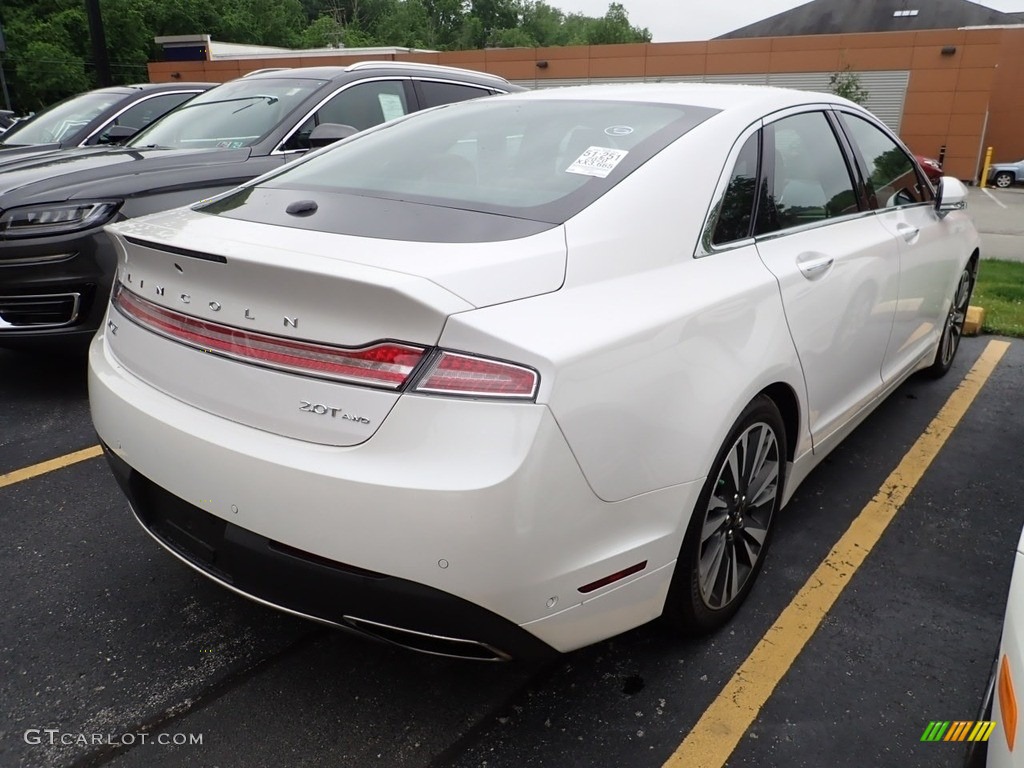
x,y
672,20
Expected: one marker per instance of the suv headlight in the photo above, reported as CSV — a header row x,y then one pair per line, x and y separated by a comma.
x,y
56,218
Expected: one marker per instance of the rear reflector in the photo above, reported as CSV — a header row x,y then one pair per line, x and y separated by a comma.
x,y
385,364
613,578
1007,703
456,374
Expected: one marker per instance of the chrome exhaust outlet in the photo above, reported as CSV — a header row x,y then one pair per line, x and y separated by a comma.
x,y
424,642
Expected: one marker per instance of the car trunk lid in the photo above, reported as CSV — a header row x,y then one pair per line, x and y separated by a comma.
x,y
259,324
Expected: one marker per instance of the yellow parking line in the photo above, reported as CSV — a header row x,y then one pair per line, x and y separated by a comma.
x,y
723,724
49,466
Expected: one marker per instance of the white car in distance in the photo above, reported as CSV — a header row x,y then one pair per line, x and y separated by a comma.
x,y
517,375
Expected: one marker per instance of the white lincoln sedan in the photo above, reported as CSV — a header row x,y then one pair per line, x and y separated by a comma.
x,y
519,374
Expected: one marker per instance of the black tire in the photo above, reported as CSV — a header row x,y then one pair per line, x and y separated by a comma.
x,y
953,327
1003,179
729,534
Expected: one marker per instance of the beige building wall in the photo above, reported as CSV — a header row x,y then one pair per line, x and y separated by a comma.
x,y
962,100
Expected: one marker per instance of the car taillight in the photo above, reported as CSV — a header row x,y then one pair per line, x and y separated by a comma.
x,y
453,373
384,364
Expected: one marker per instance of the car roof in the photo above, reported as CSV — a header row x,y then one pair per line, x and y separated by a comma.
x,y
170,86
393,67
127,90
718,96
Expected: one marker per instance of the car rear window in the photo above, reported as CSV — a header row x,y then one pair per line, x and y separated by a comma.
x,y
537,159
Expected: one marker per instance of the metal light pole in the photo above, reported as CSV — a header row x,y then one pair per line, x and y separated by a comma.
x,y
3,78
99,43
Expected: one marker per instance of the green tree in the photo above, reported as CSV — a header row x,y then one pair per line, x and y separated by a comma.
x,y
543,23
323,32
445,19
52,73
408,24
847,84
49,55
614,27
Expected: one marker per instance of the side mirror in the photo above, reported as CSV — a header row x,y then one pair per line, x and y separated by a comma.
x,y
952,195
118,134
328,133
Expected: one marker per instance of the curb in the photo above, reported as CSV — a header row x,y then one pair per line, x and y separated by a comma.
x,y
975,319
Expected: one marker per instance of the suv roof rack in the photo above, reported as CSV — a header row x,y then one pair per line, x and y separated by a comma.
x,y
265,69
438,68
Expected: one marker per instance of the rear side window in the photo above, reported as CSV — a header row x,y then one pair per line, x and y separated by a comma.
x,y
892,179
435,93
362,106
810,180
737,206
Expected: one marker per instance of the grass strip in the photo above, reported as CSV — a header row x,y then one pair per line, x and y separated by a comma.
x,y
1000,290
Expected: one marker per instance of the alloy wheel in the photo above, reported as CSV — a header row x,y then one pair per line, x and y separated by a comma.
x,y
738,515
954,329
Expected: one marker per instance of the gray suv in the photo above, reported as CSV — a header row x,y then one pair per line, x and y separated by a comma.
x,y
57,264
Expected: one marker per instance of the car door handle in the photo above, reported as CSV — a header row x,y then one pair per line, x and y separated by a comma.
x,y
908,232
814,265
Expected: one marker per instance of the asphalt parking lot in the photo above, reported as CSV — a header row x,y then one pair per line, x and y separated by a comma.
x,y
999,216
115,654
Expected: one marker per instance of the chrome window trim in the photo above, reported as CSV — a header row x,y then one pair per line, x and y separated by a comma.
x,y
424,67
812,225
872,120
121,111
821,107
834,220
704,245
486,88
385,78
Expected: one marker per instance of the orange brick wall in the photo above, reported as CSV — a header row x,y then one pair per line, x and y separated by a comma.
x,y
1006,109
947,97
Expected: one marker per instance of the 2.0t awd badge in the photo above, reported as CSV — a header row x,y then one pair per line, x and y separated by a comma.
x,y
323,410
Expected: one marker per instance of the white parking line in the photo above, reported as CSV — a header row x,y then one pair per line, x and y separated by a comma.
x,y
995,199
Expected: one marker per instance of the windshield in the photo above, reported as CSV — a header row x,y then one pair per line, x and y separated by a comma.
x,y
537,159
62,120
231,116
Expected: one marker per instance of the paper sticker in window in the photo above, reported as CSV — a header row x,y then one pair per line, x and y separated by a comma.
x,y
597,161
391,105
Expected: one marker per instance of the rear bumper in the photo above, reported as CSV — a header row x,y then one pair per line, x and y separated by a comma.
x,y
473,519
272,573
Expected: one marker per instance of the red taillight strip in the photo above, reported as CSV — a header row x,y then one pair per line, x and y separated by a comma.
x,y
452,373
385,364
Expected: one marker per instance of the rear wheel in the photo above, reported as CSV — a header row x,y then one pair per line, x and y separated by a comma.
x,y
1003,179
953,328
731,526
